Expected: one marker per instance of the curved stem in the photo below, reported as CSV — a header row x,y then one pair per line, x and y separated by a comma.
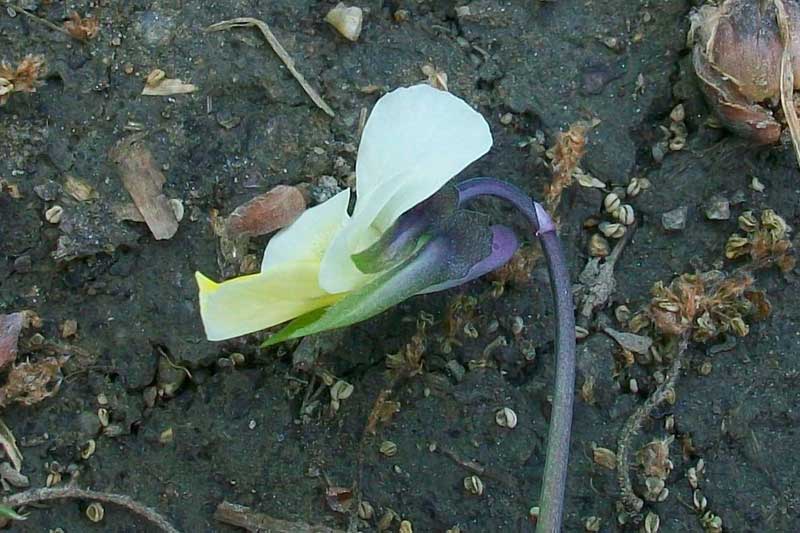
x,y
551,502
59,493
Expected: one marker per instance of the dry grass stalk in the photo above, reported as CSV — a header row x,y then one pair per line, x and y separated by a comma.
x,y
277,47
566,155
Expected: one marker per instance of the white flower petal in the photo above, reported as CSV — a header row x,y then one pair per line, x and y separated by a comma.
x,y
307,238
415,141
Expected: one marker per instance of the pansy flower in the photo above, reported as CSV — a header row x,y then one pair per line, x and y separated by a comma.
x,y
406,235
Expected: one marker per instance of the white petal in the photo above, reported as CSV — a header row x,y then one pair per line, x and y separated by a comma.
x,y
251,303
307,238
415,141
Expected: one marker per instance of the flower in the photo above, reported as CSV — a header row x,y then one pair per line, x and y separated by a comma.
x,y
330,269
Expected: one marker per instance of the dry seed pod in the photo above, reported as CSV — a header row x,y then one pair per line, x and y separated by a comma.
x,y
605,458
624,214
612,230
506,418
611,202
88,449
405,527
102,415
651,523
592,524
388,448
473,485
598,246
365,510
95,512
341,390
678,114
54,214
700,502
346,20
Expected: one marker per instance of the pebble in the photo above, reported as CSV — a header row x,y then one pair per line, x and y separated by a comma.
x,y
718,208
675,220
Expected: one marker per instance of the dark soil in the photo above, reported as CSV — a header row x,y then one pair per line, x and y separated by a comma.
x,y
239,433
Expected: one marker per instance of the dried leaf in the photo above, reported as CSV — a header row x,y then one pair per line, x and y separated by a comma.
x,y
266,213
143,180
587,180
10,327
605,458
339,499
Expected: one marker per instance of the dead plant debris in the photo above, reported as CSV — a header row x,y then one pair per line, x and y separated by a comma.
x,y
29,383
82,28
24,78
265,213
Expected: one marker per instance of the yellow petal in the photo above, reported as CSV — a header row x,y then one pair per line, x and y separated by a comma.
x,y
251,303
307,238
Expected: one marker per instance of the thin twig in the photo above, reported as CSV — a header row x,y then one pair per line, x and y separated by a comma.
x,y
245,22
33,496
633,504
40,20
478,468
246,518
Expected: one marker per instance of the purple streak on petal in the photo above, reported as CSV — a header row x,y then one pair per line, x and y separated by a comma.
x,y
504,245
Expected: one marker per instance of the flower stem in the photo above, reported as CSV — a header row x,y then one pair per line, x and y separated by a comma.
x,y
551,501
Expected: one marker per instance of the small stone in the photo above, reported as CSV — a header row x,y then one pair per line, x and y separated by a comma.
x,y
346,20
48,191
69,328
506,119
675,220
718,208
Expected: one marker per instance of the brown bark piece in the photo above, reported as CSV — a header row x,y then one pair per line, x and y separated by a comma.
x,y
275,209
143,180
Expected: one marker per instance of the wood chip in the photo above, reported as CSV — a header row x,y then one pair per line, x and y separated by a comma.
x,y
143,180
13,477
168,87
266,213
246,518
9,444
79,189
10,327
246,22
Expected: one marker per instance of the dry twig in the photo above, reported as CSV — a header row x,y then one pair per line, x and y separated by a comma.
x,y
30,497
633,504
246,22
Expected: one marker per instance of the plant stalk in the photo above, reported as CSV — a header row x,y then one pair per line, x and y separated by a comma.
x,y
551,501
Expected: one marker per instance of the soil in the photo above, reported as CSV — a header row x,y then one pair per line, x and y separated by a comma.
x,y
243,433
